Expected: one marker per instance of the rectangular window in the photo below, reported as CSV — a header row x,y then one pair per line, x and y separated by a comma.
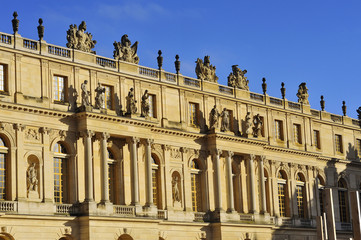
x,y
152,106
316,139
297,137
358,147
2,177
108,97
193,114
196,190
59,88
59,170
282,199
279,130
2,77
300,203
338,143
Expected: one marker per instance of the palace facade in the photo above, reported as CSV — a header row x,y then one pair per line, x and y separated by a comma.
x,y
99,148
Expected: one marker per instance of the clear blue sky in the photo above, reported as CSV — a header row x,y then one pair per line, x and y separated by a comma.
x,y
312,41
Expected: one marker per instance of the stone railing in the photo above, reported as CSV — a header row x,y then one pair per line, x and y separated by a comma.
x,y
105,62
8,206
246,217
162,214
58,51
315,113
170,77
66,209
336,118
295,106
305,223
5,38
256,96
276,101
125,211
286,221
27,43
225,90
148,72
192,82
340,226
355,122
199,216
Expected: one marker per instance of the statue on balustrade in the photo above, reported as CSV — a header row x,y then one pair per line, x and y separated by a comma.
x,y
85,94
248,124
257,123
205,71
131,102
145,104
225,120
79,39
302,93
124,51
99,97
237,79
214,118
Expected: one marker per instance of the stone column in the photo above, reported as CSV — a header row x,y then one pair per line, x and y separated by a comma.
x,y
48,165
356,214
262,185
251,158
133,141
330,214
87,135
103,137
230,193
218,193
21,188
148,173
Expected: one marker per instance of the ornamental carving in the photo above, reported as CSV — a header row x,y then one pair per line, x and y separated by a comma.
x,y
205,71
176,191
32,178
214,116
302,93
124,51
225,123
257,123
99,96
32,134
79,39
145,107
237,79
175,153
131,102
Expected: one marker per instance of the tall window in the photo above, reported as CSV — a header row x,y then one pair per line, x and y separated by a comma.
x,y
111,176
3,163
155,182
108,97
196,187
193,114
59,88
316,139
60,173
282,193
297,137
279,130
321,187
2,77
338,143
343,200
358,147
300,191
266,184
152,106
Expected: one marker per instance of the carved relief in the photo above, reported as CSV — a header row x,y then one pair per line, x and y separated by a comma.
x,y
124,51
175,153
32,134
79,39
205,71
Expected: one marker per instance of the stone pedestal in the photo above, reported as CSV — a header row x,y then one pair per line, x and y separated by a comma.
x,y
84,109
33,195
88,208
150,211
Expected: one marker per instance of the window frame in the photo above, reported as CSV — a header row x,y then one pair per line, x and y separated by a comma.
x,y
297,133
338,144
64,88
4,80
279,131
4,151
193,116
317,139
152,105
196,187
64,187
108,103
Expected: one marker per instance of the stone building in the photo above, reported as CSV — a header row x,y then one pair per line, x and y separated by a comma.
x,y
98,148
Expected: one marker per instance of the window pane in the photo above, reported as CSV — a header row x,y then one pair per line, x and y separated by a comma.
x,y
59,88
2,78
2,177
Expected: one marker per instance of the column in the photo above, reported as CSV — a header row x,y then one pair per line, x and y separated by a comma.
x,y
103,137
21,187
133,141
356,214
229,181
330,214
87,135
251,182
218,192
148,173
262,184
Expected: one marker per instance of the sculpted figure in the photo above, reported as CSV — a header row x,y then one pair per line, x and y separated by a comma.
x,y
145,104
302,93
214,118
131,102
175,188
359,113
79,39
205,71
257,129
32,178
237,79
225,120
248,124
85,94
124,51
99,97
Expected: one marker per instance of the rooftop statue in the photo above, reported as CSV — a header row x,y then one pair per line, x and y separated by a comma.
x,y
79,39
302,93
237,78
205,71
124,51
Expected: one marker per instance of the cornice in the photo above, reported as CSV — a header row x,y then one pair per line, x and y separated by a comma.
x,y
34,110
291,151
177,133
236,139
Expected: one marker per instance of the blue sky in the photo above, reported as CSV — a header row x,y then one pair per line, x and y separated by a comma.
x,y
291,41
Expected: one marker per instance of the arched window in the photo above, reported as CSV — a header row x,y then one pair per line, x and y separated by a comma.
x,y
125,237
196,187
111,176
60,174
301,195
266,185
3,170
155,182
320,187
282,193
343,200
236,188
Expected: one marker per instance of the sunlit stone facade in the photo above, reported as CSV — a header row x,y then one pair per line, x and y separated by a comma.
x,y
68,172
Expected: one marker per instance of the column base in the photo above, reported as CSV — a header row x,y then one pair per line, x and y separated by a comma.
x,y
105,208
150,211
88,207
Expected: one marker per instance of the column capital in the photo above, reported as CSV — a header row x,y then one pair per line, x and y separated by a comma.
x,y
133,140
103,136
183,149
44,130
216,152
262,158
229,153
251,157
87,133
148,141
19,127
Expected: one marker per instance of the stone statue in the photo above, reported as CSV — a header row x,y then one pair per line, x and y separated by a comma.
x,y
205,71
145,104
359,113
257,129
131,102
85,94
32,178
214,118
248,124
302,93
99,97
124,51
237,78
175,188
79,39
225,120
